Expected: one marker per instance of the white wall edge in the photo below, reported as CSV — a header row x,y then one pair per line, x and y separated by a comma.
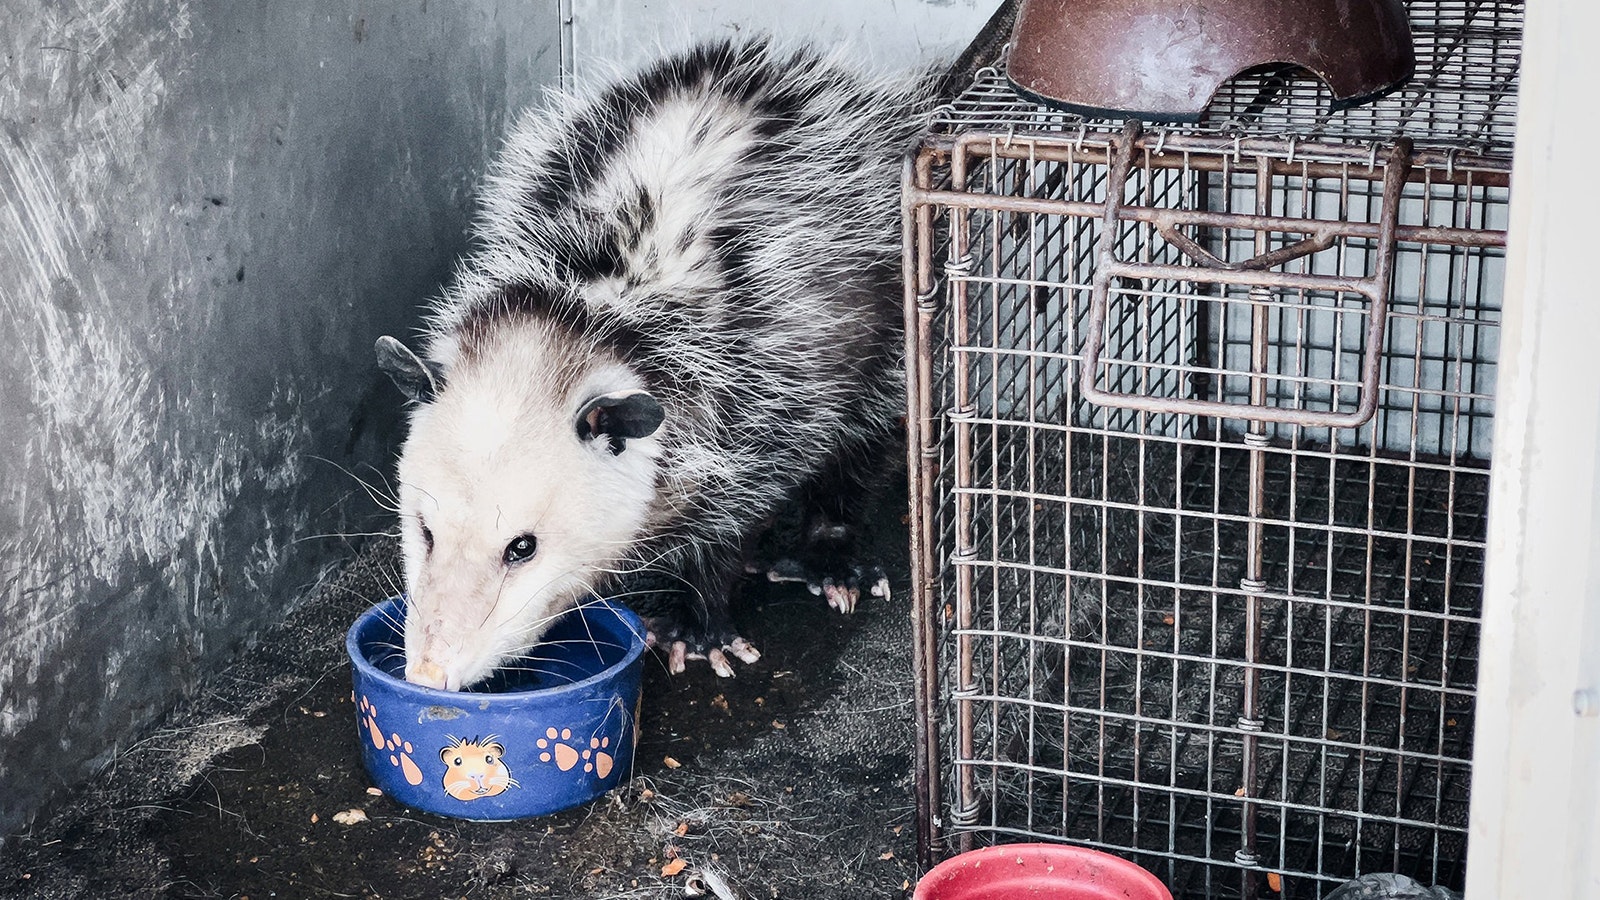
x,y
1534,830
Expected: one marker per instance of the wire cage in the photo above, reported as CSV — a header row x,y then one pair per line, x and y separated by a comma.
x,y
1201,424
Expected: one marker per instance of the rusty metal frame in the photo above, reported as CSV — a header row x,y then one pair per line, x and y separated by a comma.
x,y
924,299
922,460
1207,323
1254,273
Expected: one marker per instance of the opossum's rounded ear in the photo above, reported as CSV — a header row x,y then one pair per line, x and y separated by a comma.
x,y
417,379
619,416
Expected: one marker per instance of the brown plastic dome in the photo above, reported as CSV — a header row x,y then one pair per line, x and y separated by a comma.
x,y
1165,59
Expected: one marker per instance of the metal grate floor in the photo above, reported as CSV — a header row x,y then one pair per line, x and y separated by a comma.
x,y
1112,699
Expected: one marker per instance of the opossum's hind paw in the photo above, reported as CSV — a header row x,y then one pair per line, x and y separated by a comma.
x,y
842,586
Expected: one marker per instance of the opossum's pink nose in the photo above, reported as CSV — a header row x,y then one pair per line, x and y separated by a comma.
x,y
428,673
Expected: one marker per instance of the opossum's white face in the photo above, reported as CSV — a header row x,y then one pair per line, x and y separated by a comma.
x,y
514,498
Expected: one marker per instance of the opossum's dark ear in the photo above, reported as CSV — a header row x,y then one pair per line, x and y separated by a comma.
x,y
619,416
417,379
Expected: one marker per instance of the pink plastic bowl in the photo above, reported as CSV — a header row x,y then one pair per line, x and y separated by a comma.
x,y
1038,872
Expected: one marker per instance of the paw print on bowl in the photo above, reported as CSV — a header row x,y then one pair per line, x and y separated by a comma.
x,y
400,750
558,747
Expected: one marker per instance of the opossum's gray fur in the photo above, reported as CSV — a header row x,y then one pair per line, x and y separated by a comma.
x,y
728,221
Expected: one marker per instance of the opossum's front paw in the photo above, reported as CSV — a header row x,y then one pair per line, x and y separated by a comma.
x,y
841,585
740,648
683,646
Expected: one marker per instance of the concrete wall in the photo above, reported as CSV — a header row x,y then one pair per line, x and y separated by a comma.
x,y
886,33
208,210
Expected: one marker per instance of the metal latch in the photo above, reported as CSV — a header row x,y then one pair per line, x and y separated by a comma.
x,y
1260,274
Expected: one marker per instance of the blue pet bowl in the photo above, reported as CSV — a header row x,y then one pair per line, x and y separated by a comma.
x,y
556,731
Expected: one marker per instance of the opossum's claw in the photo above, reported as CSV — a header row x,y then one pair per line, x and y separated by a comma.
x,y
738,647
744,650
844,590
880,587
841,596
676,657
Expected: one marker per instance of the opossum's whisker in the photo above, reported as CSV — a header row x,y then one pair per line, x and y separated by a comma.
x,y
564,660
552,668
641,567
384,498
544,672
388,489
536,626
595,642
499,592
421,491
397,624
539,623
621,560
592,640
342,534
556,583
381,660
553,665
392,588
533,650
638,567
393,580
395,618
559,661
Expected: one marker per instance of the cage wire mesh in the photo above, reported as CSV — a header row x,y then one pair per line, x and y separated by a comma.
x,y
1201,439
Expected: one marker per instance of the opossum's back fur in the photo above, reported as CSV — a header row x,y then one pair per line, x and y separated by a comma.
x,y
727,222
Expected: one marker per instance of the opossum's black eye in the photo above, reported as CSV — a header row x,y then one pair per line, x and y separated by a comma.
x,y
427,538
520,548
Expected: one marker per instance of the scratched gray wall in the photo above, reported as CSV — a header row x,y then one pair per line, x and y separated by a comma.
x,y
208,210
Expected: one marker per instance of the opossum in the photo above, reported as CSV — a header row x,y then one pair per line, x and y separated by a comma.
x,y
682,309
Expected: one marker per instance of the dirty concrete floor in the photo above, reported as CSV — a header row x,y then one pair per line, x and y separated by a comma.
x,y
790,780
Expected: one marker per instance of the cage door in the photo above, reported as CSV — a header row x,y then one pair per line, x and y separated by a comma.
x,y
1274,287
